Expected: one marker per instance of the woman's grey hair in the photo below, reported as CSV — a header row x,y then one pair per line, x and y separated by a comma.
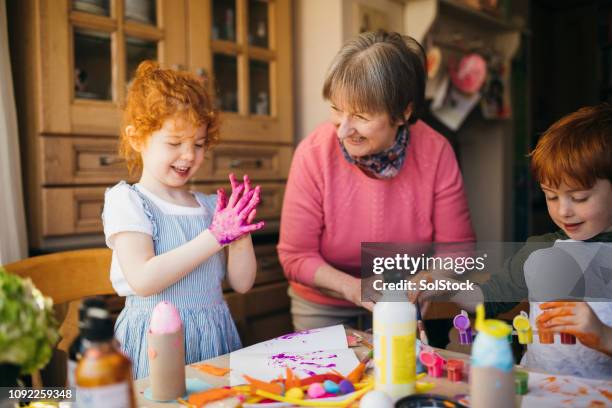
x,y
378,72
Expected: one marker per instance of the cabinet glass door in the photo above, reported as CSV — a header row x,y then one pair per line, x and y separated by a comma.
x,y
226,69
224,20
259,92
243,56
99,7
141,11
258,23
92,65
136,51
90,50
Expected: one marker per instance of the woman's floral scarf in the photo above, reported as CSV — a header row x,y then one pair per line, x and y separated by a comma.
x,y
386,164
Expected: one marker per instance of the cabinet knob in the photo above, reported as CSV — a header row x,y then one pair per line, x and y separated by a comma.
x,y
109,160
253,163
201,72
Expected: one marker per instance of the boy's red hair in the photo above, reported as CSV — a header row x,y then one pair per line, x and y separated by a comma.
x,y
157,94
576,150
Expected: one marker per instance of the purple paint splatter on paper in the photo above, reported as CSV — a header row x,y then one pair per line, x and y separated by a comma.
x,y
297,334
304,362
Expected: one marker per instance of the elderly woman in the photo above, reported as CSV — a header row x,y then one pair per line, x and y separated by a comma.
x,y
375,172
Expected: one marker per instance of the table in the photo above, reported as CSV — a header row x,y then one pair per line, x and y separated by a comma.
x,y
443,385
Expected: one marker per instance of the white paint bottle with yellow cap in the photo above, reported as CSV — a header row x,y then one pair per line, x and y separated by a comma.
x,y
395,329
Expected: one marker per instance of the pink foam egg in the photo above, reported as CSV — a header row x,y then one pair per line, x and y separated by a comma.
x,y
165,319
316,390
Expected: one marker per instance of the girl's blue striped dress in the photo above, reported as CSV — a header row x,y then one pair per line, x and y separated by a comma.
x,y
209,328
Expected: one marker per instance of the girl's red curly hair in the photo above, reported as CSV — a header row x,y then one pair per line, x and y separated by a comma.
x,y
157,94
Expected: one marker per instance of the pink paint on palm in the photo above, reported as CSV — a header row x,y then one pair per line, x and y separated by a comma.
x,y
233,218
165,319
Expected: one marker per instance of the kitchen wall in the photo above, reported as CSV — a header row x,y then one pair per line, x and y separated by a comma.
x,y
321,27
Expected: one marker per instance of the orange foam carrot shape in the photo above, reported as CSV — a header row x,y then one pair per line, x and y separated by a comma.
x,y
292,380
211,369
355,375
201,398
274,388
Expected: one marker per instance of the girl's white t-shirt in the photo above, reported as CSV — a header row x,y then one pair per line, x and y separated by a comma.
x,y
123,212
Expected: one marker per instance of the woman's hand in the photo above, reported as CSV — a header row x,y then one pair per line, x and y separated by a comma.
x,y
465,299
578,319
351,291
233,218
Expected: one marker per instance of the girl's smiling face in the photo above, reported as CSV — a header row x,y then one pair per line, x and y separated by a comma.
x,y
363,134
173,153
581,213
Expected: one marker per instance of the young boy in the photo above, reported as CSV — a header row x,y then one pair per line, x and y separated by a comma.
x,y
573,164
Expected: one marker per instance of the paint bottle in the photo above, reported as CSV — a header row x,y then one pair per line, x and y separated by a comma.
x,y
395,325
491,372
104,374
463,326
76,348
523,328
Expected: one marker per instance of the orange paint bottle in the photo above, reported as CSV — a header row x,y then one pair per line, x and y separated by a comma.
x,y
104,374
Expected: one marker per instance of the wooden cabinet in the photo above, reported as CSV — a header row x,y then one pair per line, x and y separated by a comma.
x,y
263,312
72,62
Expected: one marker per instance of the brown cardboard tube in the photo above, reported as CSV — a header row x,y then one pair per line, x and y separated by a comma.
x,y
167,365
491,387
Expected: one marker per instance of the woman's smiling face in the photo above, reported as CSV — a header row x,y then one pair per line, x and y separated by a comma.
x,y
363,133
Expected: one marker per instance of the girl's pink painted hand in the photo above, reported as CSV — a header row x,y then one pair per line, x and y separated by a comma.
x,y
233,218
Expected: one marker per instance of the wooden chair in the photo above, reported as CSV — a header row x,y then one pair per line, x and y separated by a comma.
x,y
66,277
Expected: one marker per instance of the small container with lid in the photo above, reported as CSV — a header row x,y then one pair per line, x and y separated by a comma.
x,y
103,374
395,329
491,371
76,348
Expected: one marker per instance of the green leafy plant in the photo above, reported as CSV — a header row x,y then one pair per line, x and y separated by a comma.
x,y
28,328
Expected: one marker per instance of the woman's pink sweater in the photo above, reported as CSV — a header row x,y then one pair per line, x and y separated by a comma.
x,y
331,207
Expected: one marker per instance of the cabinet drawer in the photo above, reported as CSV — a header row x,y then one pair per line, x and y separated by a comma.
x,y
75,210
271,202
81,160
266,299
269,268
259,162
268,327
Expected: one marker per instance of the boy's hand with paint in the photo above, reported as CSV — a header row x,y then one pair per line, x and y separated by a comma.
x,y
578,319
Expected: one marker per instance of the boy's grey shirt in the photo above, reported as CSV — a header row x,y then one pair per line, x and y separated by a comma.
x,y
510,282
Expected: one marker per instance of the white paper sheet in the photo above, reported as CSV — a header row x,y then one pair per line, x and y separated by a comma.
x,y
559,391
306,353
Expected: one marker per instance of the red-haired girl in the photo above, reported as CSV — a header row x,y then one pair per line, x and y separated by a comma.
x,y
167,241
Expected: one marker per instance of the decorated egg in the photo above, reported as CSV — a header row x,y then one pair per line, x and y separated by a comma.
x,y
376,399
346,387
316,390
331,387
295,393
